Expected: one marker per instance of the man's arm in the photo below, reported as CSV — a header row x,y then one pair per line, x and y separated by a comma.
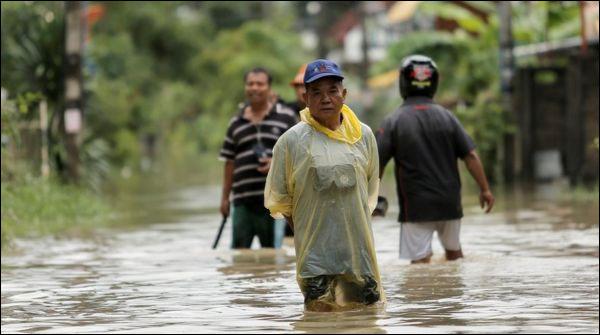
x,y
227,183
475,168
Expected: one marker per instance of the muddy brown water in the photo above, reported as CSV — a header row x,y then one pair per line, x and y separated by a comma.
x,y
531,266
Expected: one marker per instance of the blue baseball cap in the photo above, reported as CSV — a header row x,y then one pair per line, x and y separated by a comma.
x,y
321,68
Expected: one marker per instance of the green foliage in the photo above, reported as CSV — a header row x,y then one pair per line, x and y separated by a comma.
x,y
468,62
10,116
541,21
230,15
158,70
166,70
173,70
582,193
14,114
32,68
221,82
32,206
465,19
32,48
32,55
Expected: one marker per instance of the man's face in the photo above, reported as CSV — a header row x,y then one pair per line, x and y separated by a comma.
x,y
325,97
257,87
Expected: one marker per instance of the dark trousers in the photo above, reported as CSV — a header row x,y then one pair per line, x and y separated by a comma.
x,y
248,222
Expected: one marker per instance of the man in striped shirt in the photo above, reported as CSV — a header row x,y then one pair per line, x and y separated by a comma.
x,y
247,152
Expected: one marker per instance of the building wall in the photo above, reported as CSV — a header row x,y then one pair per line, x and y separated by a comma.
x,y
556,111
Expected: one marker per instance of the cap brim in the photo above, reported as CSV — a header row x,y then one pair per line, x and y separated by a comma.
x,y
322,75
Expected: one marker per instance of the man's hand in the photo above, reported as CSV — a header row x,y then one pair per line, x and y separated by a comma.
x,y
265,165
225,207
486,198
382,206
475,168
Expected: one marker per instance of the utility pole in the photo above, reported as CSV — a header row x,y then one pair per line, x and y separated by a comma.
x,y
72,117
506,85
45,168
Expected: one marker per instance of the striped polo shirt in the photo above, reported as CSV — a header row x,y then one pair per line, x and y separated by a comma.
x,y
241,144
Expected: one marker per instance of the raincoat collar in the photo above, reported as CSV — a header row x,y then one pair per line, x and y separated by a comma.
x,y
350,131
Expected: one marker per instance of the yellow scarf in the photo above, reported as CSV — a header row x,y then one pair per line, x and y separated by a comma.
x,y
350,131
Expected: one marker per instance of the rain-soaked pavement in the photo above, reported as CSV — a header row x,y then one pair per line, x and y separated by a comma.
x,y
531,266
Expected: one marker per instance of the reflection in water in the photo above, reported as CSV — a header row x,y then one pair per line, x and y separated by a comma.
x,y
363,321
257,263
431,294
532,266
252,276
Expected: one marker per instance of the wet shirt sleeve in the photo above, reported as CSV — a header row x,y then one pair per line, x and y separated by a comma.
x,y
463,143
278,199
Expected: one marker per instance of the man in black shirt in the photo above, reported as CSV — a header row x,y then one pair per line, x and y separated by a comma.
x,y
247,151
425,141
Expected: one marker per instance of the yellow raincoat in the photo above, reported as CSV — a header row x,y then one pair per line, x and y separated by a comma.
x,y
327,182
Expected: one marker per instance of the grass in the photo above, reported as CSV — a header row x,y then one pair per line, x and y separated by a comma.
x,y
34,207
583,193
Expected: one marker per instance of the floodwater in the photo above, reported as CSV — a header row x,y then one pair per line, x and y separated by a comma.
x,y
531,266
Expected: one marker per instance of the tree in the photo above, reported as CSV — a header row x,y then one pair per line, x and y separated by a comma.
x,y
468,61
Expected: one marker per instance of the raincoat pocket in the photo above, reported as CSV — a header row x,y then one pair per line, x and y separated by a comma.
x,y
345,176
323,177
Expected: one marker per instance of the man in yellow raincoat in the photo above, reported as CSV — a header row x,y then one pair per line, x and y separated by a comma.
x,y
324,180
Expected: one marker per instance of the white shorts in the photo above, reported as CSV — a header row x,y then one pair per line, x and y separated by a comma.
x,y
415,238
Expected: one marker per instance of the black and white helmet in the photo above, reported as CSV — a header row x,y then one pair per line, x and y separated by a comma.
x,y
418,76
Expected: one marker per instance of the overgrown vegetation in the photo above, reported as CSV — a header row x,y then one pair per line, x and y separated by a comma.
x,y
35,207
162,81
467,59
